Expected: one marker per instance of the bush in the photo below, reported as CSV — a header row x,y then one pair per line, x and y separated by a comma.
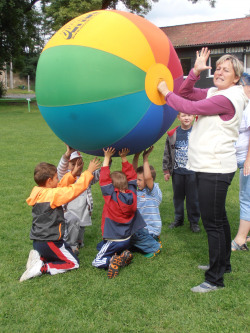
x,y
2,89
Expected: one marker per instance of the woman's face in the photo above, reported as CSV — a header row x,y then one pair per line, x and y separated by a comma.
x,y
224,76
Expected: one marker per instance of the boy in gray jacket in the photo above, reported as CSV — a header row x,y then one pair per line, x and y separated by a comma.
x,y
183,180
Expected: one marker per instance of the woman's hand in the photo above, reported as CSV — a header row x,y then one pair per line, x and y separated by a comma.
x,y
163,88
201,61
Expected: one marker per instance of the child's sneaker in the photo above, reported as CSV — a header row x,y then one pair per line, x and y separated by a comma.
x,y
33,271
75,250
113,267
119,261
125,258
152,254
33,257
157,238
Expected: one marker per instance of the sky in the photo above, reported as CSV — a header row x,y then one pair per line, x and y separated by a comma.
x,y
177,12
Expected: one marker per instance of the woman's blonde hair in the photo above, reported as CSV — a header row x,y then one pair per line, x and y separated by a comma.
x,y
236,63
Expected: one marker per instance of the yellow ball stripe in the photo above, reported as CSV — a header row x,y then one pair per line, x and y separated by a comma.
x,y
96,30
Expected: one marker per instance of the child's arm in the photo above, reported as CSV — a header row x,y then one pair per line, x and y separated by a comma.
x,y
129,170
105,180
96,174
78,166
63,194
135,160
63,164
166,160
146,169
123,154
108,153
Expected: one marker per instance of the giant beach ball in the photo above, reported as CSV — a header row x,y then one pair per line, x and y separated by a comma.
x,y
96,82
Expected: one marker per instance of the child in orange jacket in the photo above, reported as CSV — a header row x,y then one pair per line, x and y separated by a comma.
x,y
51,254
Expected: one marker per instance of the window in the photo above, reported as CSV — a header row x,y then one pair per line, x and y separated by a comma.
x,y
186,65
212,62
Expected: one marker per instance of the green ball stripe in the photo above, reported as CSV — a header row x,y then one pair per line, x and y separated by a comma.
x,y
72,75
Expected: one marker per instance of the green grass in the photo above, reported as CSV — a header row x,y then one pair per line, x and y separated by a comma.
x,y
150,295
20,91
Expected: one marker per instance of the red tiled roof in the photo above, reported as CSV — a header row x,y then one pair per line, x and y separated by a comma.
x,y
205,33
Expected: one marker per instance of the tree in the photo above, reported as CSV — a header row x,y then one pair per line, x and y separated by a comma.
x,y
211,2
19,29
59,12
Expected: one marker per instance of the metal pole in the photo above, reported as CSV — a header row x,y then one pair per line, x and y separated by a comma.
x,y
28,99
11,76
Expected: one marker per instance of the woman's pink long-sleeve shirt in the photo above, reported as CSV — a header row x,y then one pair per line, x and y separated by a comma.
x,y
194,101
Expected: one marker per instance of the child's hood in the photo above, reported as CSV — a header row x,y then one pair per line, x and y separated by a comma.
x,y
34,195
127,203
172,131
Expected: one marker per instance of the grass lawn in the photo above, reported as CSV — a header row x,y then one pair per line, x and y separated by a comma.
x,y
20,91
150,295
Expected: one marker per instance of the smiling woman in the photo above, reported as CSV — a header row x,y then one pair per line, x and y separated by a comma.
x,y
211,151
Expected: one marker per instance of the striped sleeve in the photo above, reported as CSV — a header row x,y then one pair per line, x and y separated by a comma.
x,y
62,167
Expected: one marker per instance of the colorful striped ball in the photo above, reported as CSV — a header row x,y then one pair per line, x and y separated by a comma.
x,y
96,82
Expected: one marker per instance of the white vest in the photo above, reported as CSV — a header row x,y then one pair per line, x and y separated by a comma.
x,y
211,142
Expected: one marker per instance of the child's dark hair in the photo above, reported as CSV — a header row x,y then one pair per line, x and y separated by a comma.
x,y
119,180
152,169
44,171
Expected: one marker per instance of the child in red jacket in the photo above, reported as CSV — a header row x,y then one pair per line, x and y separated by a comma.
x,y
120,217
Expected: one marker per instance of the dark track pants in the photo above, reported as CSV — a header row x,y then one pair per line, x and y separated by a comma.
x,y
57,255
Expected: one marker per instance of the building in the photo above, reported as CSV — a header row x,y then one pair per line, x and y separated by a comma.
x,y
221,37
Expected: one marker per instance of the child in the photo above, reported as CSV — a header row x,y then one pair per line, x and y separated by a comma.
x,y
183,181
120,218
149,197
77,213
51,254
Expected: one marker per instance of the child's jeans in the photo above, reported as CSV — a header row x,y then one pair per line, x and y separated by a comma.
x,y
145,241
107,249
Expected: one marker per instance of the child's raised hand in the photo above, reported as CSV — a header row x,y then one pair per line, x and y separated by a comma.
x,y
137,155
69,151
147,152
77,168
94,165
109,152
124,152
